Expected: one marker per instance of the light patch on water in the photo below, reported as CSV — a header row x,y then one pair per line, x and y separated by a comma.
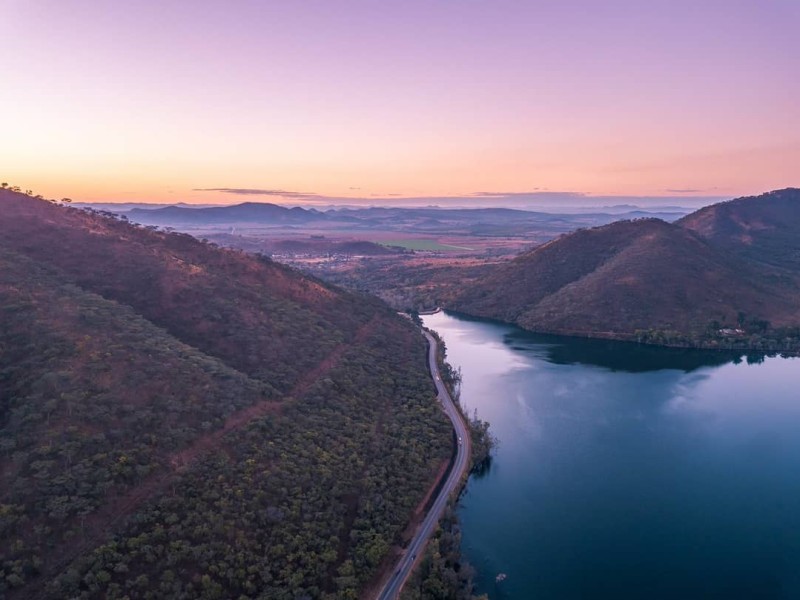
x,y
526,418
656,469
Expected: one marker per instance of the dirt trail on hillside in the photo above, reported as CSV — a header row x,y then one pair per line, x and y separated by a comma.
x,y
182,460
98,526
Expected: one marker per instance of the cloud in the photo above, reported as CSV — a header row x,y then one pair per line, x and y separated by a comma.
x,y
258,192
690,190
534,193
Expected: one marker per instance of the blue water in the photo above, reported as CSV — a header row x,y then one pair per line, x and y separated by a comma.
x,y
626,471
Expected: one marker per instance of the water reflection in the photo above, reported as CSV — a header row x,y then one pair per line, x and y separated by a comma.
x,y
482,470
629,471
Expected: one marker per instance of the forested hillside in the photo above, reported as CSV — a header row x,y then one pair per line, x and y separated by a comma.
x,y
725,276
253,314
762,229
181,421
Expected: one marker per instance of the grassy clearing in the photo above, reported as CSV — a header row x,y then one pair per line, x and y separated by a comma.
x,y
429,245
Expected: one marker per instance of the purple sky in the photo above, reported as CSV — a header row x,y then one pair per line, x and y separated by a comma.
x,y
122,100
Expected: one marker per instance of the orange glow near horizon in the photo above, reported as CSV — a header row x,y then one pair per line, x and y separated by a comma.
x,y
412,100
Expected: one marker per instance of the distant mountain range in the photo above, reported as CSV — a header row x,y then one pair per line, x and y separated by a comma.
x,y
250,212
433,220
726,272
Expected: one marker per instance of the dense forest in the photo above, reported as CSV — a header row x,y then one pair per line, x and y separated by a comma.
x,y
183,421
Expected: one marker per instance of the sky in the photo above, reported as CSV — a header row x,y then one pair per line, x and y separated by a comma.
x,y
291,101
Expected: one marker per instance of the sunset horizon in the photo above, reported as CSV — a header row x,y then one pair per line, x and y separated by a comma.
x,y
107,104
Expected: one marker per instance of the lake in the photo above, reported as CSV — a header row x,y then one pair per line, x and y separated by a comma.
x,y
627,471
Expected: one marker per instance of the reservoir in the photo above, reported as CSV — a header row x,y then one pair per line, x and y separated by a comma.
x,y
627,471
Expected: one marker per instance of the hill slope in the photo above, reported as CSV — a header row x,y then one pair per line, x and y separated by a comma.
x,y
762,229
179,420
229,305
725,266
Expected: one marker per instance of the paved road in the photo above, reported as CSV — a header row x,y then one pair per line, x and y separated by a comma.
x,y
416,548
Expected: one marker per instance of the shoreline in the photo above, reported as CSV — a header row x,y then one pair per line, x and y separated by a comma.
x,y
456,477
636,338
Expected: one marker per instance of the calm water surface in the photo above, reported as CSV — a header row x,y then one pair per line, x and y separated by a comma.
x,y
629,472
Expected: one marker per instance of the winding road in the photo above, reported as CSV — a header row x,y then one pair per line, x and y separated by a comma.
x,y
415,549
